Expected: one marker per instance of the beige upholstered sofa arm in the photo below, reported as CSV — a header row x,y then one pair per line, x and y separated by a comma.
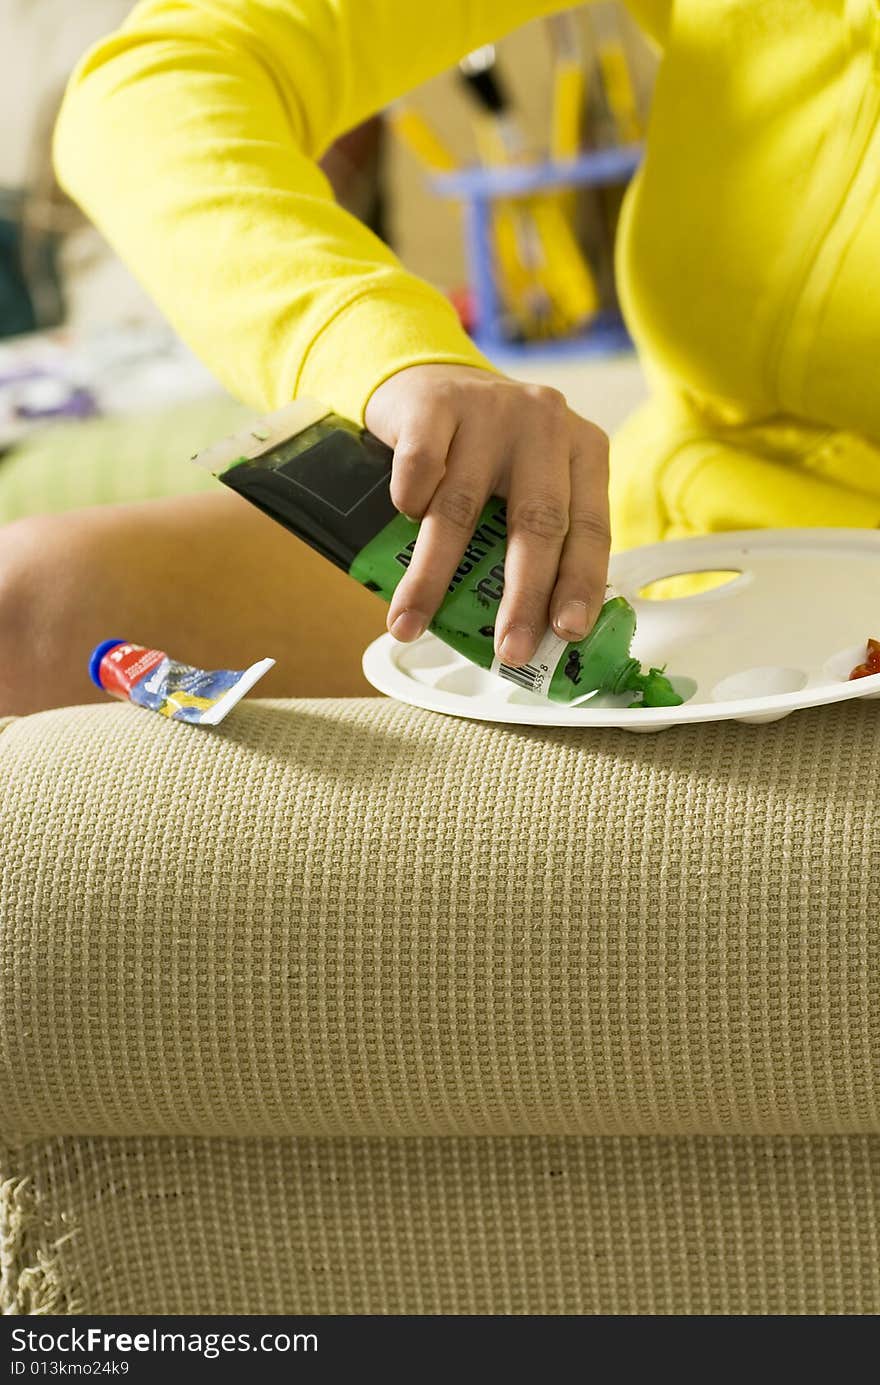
x,y
359,918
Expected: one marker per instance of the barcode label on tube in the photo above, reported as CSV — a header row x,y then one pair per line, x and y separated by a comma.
x,y
528,677
536,676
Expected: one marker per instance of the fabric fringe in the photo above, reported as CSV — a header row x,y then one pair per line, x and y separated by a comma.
x,y
34,1280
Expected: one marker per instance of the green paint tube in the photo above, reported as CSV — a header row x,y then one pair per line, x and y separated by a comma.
x,y
328,482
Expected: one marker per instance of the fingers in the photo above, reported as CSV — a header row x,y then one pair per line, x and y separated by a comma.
x,y
537,523
461,435
420,457
583,568
448,524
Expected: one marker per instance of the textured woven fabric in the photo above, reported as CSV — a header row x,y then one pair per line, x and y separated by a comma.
x,y
356,918
539,1225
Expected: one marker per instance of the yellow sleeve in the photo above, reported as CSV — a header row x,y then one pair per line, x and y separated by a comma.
x,y
191,136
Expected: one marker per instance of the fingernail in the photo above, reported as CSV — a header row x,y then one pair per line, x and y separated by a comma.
x,y
572,619
408,625
517,645
413,519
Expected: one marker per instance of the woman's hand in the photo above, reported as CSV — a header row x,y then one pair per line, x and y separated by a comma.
x,y
460,435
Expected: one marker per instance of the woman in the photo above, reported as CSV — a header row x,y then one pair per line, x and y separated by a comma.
x,y
747,256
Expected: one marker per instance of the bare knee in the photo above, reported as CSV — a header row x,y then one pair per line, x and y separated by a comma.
x,y
19,613
33,595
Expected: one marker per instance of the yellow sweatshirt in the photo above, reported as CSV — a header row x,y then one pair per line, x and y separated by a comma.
x,y
748,253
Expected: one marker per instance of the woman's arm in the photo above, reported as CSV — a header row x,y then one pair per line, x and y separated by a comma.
x,y
191,137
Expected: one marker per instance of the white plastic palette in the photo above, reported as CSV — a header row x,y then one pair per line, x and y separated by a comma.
x,y
783,634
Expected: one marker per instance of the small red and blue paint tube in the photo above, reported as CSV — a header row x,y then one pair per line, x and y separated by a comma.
x,y
151,679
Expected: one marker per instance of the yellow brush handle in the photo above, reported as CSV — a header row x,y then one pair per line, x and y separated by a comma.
x,y
519,287
568,103
570,276
414,131
619,90
565,274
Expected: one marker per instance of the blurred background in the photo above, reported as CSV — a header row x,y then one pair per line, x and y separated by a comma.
x,y
500,182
